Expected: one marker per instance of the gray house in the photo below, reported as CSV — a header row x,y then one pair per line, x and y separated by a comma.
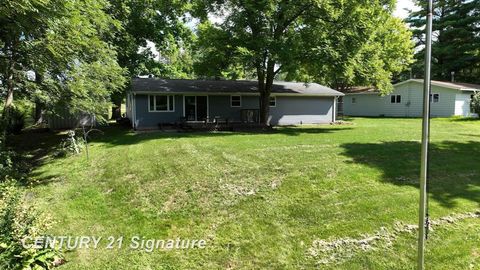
x,y
154,101
447,99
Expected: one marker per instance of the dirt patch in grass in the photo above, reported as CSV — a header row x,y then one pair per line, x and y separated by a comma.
x,y
336,251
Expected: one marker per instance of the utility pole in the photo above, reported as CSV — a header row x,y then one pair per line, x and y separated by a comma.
x,y
423,218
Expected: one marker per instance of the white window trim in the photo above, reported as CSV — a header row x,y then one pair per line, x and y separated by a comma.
x,y
155,104
275,100
432,99
231,99
354,100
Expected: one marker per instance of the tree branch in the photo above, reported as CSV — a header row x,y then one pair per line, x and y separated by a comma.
x,y
289,21
275,73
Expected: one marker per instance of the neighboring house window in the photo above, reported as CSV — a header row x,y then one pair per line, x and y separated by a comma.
x,y
273,102
395,99
235,101
161,103
354,100
435,98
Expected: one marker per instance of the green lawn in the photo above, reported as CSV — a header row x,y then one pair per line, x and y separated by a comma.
x,y
264,201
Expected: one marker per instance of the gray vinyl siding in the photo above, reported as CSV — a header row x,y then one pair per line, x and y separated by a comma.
x,y
295,110
446,105
289,110
145,119
219,106
128,106
365,105
411,104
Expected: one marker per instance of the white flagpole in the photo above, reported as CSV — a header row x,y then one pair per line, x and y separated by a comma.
x,y
425,141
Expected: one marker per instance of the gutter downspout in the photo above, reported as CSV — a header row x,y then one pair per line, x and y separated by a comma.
x,y
334,114
134,111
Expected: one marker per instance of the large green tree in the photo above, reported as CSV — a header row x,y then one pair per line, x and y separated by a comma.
x,y
63,45
336,42
343,58
161,22
21,22
456,39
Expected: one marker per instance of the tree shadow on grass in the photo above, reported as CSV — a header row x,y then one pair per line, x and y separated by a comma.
x,y
35,148
298,130
114,136
466,119
454,166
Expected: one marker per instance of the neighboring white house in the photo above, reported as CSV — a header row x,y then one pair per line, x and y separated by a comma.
x,y
447,99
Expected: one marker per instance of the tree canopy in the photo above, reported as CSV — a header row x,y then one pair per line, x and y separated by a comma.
x,y
368,56
57,52
340,43
151,23
456,39
157,21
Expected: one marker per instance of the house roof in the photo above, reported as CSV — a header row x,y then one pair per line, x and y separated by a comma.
x,y
362,90
156,85
452,85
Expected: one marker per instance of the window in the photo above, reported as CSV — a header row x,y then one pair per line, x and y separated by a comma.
x,y
273,102
354,100
395,99
436,98
161,103
235,101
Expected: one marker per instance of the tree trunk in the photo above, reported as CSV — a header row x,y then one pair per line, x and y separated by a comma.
x,y
8,99
264,109
38,117
39,106
6,111
265,93
262,99
10,86
116,110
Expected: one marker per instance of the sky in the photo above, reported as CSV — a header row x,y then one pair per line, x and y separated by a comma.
x,y
400,12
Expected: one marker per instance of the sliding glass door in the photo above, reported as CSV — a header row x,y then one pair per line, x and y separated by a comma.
x,y
196,108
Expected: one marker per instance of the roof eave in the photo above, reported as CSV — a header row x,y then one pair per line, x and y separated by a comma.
x,y
437,84
365,93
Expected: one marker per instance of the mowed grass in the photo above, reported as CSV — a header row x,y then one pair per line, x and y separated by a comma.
x,y
261,200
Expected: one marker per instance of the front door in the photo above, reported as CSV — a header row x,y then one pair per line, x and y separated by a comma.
x,y
196,108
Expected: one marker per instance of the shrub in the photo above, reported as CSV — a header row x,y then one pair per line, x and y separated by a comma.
x,y
73,144
12,165
476,103
16,121
17,223
6,164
